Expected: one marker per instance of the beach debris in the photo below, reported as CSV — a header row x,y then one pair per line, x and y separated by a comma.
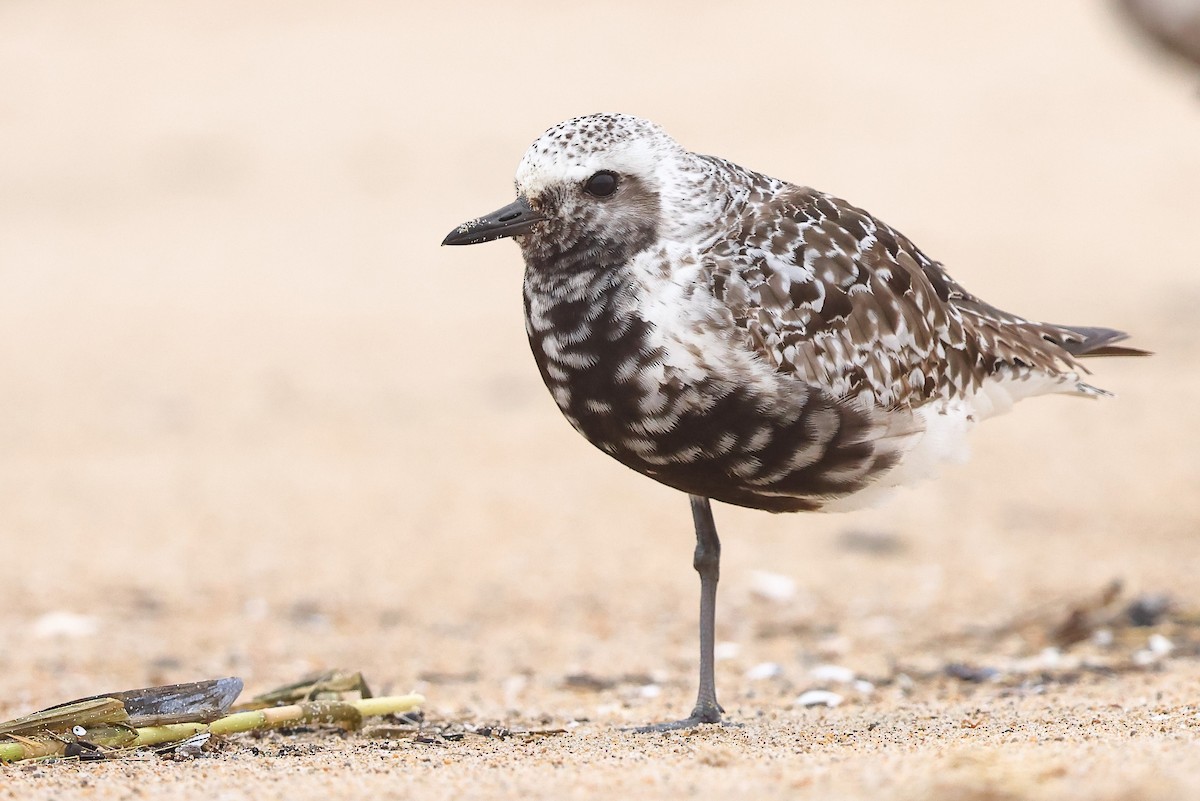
x,y
971,673
191,747
870,541
590,682
1087,615
189,715
1148,609
328,685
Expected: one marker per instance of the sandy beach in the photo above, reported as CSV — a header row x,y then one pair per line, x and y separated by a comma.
x,y
254,421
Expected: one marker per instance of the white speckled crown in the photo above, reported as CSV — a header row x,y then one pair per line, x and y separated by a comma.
x,y
573,150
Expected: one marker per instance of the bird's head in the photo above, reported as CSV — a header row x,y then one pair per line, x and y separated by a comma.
x,y
594,189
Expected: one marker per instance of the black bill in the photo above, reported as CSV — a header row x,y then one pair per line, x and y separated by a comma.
x,y
514,219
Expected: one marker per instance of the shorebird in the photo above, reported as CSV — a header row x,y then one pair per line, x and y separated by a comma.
x,y
1174,25
748,340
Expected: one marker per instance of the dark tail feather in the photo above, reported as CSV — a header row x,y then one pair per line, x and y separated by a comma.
x,y
1086,341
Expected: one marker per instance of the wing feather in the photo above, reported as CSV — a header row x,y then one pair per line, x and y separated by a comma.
x,y
845,302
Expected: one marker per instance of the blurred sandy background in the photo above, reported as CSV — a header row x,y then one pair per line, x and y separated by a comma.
x,y
253,420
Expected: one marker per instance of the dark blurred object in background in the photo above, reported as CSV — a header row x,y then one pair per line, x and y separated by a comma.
x,y
1173,25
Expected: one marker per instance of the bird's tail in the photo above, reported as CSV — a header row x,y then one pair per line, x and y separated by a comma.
x,y
1087,341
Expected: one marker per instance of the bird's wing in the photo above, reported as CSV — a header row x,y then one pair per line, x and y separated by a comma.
x,y
823,290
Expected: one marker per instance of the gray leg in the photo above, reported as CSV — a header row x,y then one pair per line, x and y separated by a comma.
x,y
707,562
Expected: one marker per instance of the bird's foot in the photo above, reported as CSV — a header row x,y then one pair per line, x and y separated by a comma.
x,y
701,715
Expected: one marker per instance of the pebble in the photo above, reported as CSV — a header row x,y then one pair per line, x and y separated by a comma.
x,y
819,698
726,650
1050,657
772,586
1156,648
764,670
513,687
65,624
1160,645
832,673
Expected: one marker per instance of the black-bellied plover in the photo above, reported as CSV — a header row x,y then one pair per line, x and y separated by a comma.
x,y
748,340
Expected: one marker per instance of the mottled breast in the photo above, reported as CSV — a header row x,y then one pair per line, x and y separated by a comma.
x,y
645,363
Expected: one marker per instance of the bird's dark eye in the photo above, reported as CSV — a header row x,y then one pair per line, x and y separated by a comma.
x,y
602,184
